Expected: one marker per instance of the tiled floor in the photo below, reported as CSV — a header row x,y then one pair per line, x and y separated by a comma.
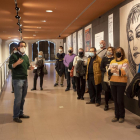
x,y
58,115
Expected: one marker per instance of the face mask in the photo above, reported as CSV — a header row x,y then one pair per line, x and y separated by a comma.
x,y
39,56
70,51
101,46
22,50
81,54
118,54
91,54
109,53
60,51
15,51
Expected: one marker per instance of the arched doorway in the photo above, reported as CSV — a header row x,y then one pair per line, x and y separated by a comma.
x,y
11,46
47,47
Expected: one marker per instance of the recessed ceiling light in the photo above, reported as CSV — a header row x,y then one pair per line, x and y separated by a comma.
x,y
34,35
9,37
49,11
39,27
43,21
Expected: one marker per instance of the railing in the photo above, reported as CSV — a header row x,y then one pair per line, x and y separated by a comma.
x,y
4,72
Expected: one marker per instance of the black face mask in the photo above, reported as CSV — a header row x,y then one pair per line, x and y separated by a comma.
x,y
70,51
118,54
81,54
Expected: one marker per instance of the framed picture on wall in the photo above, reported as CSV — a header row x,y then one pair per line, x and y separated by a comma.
x,y
110,31
88,38
74,43
69,42
80,38
98,38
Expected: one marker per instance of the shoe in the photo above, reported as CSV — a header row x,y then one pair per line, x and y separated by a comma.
x,y
82,98
55,84
67,89
33,89
86,91
61,85
12,92
115,119
138,126
106,108
121,120
17,120
97,104
24,116
90,102
74,90
41,88
78,98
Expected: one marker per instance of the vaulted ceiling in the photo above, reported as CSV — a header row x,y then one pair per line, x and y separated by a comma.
x,y
33,13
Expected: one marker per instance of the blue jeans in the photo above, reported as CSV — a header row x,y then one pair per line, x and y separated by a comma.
x,y
20,91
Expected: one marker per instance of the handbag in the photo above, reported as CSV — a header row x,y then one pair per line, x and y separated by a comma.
x,y
106,78
45,70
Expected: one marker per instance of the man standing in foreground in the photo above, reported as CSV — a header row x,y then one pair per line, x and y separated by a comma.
x,y
19,63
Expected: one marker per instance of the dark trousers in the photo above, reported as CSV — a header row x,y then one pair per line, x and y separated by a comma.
x,y
68,80
41,79
94,90
80,86
107,92
118,96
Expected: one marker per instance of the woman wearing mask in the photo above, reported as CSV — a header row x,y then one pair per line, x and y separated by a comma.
x,y
104,66
80,79
39,65
118,71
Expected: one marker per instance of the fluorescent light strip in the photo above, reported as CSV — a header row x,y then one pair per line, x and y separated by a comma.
x,y
77,17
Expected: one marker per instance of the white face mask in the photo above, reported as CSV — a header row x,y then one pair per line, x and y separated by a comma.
x,y
22,50
15,51
101,46
60,51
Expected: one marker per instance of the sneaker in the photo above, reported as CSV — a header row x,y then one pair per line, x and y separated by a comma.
x,y
24,116
106,108
115,119
67,89
17,120
55,84
90,102
33,89
121,120
78,98
61,85
97,104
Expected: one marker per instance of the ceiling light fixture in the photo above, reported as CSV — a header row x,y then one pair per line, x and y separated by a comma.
x,y
18,17
43,21
17,8
49,11
34,35
9,37
39,27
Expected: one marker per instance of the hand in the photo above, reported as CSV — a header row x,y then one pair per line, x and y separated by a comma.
x,y
31,67
20,61
113,70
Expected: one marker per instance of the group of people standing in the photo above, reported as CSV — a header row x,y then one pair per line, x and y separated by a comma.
x,y
105,70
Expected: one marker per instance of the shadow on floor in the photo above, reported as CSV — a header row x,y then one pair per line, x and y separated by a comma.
x,y
6,118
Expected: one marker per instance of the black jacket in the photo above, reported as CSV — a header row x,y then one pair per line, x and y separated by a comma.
x,y
59,66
